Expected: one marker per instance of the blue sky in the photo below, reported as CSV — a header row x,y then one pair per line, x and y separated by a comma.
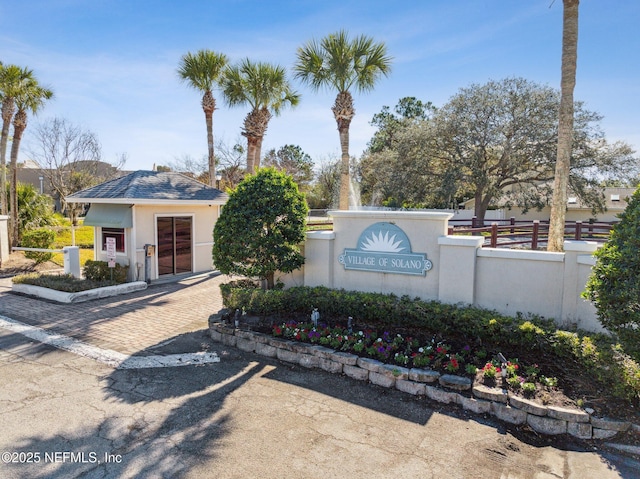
x,y
112,63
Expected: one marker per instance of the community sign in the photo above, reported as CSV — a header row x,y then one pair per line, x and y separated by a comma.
x,y
385,248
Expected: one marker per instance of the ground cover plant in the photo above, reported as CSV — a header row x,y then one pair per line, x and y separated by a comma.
x,y
61,282
542,362
97,274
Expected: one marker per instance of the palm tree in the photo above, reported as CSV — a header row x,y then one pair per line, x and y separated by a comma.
x,y
341,64
264,87
12,78
31,97
565,125
202,71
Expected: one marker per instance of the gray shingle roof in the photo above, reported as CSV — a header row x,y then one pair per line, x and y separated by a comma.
x,y
152,185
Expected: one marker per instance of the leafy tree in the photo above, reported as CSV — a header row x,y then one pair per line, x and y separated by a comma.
x,y
261,227
501,138
341,64
404,176
231,159
71,160
293,161
265,88
326,186
565,125
614,284
399,168
409,110
202,71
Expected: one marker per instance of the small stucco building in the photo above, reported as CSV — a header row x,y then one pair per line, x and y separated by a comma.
x,y
166,217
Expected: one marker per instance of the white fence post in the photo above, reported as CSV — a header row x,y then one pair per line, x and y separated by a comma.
x,y
4,238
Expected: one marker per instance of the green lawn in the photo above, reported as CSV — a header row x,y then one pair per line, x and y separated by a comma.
x,y
84,236
84,239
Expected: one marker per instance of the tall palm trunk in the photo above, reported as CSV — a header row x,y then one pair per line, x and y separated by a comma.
x,y
8,109
255,127
252,146
19,125
264,116
343,111
565,125
209,106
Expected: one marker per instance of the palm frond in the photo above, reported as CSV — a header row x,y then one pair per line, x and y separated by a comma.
x,y
340,63
202,70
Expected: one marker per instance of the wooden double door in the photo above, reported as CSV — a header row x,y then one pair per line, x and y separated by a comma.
x,y
175,254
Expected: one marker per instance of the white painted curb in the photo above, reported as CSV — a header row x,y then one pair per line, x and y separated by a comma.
x,y
62,297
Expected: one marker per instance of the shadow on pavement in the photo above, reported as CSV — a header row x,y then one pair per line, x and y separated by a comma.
x,y
152,439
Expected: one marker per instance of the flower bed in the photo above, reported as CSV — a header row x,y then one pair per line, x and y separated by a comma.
x,y
419,381
437,355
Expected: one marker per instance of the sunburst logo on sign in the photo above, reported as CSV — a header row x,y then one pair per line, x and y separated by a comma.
x,y
382,242
385,248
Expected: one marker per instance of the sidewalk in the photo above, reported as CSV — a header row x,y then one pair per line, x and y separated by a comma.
x,y
129,323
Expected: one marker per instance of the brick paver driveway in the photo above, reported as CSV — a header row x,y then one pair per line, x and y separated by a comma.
x,y
128,323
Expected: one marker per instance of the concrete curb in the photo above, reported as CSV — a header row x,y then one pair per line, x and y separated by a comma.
x,y
547,420
81,296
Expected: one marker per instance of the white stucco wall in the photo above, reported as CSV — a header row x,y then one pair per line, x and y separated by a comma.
x,y
508,281
144,232
423,230
513,281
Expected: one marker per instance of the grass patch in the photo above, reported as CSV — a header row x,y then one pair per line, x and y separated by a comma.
x,y
84,236
60,282
85,255
84,240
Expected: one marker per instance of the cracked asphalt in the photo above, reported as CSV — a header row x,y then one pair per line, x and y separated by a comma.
x,y
63,415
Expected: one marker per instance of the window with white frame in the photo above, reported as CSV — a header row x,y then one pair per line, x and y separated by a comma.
x,y
118,234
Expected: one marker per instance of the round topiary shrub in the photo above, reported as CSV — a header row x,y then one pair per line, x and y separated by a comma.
x,y
261,227
614,284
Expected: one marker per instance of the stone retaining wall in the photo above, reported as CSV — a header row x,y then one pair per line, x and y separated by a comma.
x,y
444,388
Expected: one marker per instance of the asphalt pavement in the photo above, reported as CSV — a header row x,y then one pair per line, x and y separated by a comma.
x,y
67,414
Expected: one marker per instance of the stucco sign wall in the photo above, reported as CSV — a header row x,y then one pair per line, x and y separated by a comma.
x,y
385,248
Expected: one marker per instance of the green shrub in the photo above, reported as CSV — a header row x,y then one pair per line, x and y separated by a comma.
x,y
261,227
614,284
100,271
38,238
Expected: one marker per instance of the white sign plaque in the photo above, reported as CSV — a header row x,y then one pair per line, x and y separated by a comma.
x,y
111,251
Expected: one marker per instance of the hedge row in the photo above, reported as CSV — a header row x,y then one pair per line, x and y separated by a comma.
x,y
605,361
380,311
